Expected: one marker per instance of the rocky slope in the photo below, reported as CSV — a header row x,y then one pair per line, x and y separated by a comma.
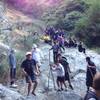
x,y
76,61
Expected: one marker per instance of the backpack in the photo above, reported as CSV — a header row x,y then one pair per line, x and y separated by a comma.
x,y
89,95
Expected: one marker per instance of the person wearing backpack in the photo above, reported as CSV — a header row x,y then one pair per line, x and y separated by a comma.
x,y
91,71
63,61
94,93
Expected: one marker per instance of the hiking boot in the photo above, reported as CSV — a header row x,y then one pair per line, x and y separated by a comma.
x,y
71,87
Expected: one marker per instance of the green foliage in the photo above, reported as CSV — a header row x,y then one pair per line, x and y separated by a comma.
x,y
88,27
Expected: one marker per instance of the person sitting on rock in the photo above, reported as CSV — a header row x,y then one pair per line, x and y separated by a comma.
x,y
65,64
94,93
60,75
30,70
91,71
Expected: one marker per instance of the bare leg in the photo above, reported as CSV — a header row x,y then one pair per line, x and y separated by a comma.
x,y
29,87
70,84
34,87
58,84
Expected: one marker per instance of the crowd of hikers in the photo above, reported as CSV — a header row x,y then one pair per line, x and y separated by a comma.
x,y
31,67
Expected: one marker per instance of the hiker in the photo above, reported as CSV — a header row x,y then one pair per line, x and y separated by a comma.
x,y
56,50
61,42
65,64
94,93
12,65
37,55
60,75
81,48
30,70
91,71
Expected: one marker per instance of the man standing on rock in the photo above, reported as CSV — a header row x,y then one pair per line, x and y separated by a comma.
x,y
91,71
12,64
30,70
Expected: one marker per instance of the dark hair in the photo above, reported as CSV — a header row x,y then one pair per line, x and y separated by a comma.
x,y
87,58
96,82
89,61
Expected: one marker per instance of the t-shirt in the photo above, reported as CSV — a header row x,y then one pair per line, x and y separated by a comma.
x,y
55,48
60,70
29,66
37,55
65,64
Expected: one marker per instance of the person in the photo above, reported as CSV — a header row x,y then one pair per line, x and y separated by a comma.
x,y
91,71
61,42
56,50
30,70
37,55
12,64
81,48
94,94
60,75
65,64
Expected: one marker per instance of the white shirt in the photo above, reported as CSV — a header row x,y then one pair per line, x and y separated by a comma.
x,y
37,55
60,70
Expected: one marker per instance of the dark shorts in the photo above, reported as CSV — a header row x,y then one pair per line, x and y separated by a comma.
x,y
60,79
12,73
30,78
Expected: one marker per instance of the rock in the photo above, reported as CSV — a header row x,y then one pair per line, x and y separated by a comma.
x,y
7,94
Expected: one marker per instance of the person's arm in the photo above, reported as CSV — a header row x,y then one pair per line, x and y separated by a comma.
x,y
36,71
24,72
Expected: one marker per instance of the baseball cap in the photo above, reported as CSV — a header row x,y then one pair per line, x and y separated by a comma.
x,y
28,53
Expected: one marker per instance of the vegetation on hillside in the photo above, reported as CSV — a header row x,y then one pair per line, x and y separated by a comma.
x,y
80,18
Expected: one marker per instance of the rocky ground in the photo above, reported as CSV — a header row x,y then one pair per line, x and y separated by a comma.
x,y
76,61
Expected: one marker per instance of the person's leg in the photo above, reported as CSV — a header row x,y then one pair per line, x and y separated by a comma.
x,y
29,81
34,87
11,76
29,87
70,85
58,83
63,82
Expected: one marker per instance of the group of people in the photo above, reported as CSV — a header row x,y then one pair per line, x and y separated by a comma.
x,y
30,67
32,64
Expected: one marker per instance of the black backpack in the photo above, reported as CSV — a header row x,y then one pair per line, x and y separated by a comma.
x,y
90,94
